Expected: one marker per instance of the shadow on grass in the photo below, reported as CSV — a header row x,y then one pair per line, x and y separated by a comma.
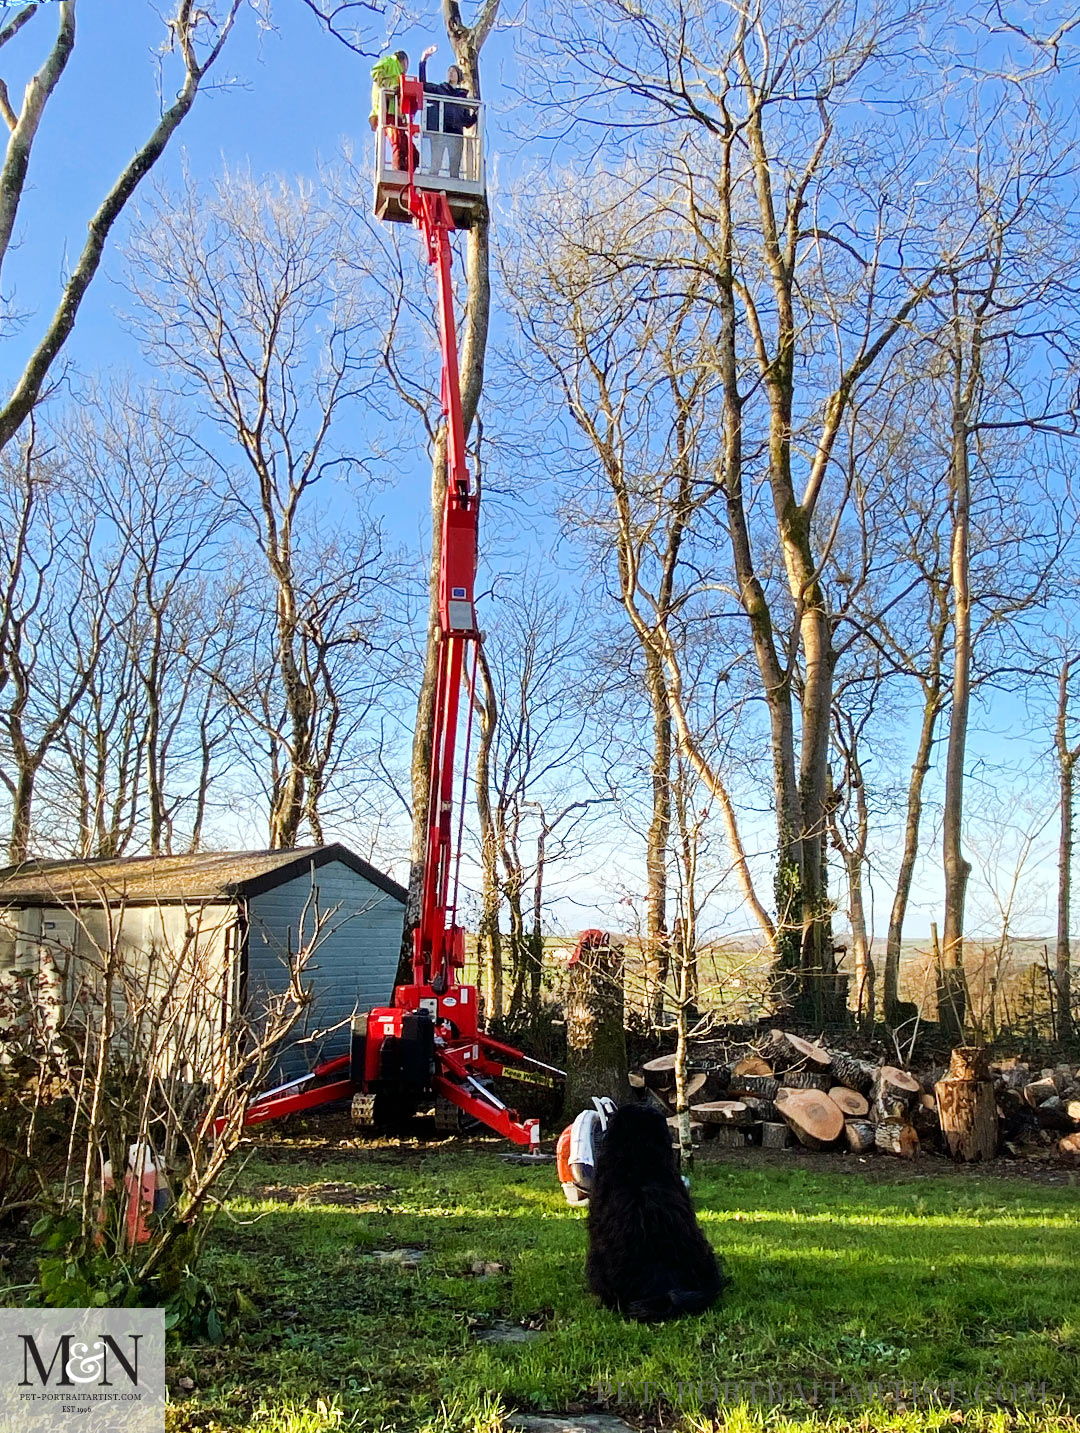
x,y
831,1280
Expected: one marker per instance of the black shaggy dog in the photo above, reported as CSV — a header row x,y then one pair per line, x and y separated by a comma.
x,y
648,1258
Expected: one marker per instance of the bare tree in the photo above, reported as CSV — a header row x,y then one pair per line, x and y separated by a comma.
x,y
542,789
253,297
1067,754
195,34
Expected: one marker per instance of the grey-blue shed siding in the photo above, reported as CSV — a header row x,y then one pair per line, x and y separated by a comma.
x,y
352,970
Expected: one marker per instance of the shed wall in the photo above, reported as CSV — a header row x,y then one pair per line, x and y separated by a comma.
x,y
351,969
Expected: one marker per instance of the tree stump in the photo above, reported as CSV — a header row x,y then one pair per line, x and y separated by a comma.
x,y
774,1135
812,1117
596,1029
967,1109
859,1135
852,1104
897,1137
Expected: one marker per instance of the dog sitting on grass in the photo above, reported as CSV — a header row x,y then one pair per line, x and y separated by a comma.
x,y
648,1258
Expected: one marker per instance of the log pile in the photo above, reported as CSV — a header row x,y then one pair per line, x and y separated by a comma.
x,y
796,1092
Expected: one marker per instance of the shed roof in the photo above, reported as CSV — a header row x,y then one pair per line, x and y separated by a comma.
x,y
206,876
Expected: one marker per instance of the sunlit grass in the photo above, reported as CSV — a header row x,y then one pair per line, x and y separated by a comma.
x,y
873,1287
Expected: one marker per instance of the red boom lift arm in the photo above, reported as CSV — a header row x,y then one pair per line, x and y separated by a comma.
x,y
434,1010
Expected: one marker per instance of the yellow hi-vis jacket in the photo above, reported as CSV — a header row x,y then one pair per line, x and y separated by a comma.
x,y
385,74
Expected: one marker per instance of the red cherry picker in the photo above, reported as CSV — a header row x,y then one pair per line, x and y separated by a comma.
x,y
427,1046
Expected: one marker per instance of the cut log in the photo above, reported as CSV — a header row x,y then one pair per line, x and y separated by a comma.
x,y
853,1074
859,1135
763,1110
750,1065
724,1137
1069,1146
1051,1114
659,1074
851,1103
635,1079
1072,1109
788,1052
696,1131
764,1086
694,1086
897,1137
806,1080
1016,1076
1039,1090
895,1091
732,1113
969,1062
928,1102
926,1122
775,1135
813,1118
969,1118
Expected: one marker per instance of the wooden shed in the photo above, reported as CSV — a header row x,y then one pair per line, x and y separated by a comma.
x,y
233,920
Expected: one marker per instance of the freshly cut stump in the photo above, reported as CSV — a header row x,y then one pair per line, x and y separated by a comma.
x,y
897,1137
859,1135
812,1117
969,1118
775,1135
732,1113
850,1101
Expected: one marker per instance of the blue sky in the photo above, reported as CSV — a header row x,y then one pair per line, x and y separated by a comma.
x,y
283,100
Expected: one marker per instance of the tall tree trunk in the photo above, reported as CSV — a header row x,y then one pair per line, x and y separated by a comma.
x,y
488,936
467,42
919,768
657,948
952,993
862,957
1067,757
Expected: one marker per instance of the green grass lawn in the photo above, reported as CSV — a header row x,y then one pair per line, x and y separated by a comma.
x,y
971,1281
